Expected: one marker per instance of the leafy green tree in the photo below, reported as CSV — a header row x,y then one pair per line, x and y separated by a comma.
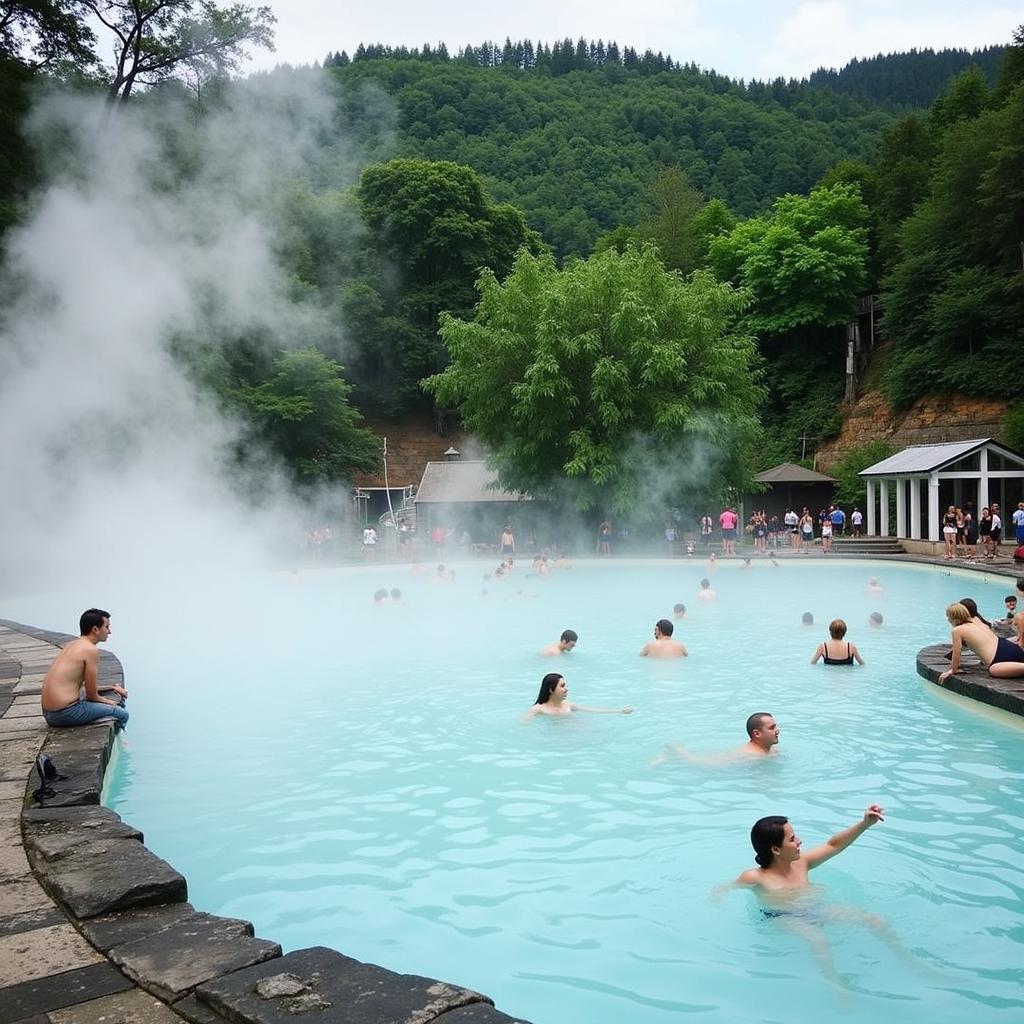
x,y
804,264
300,410
157,39
431,228
670,228
608,378
48,35
850,488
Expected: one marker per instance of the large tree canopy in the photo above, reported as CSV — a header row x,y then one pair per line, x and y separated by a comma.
x,y
431,228
804,264
613,374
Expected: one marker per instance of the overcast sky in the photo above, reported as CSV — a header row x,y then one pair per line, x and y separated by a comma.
x,y
741,39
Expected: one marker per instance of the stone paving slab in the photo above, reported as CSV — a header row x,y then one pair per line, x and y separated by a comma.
x,y
323,985
132,1007
105,875
12,790
60,990
109,930
27,956
22,896
13,862
22,725
170,963
29,687
16,710
44,917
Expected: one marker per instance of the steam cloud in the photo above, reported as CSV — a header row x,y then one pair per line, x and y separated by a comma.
x,y
112,463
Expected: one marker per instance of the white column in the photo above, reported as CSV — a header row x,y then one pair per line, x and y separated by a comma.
x,y
933,507
870,509
982,487
901,508
883,511
915,509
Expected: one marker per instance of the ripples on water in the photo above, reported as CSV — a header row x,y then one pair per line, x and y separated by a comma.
x,y
359,777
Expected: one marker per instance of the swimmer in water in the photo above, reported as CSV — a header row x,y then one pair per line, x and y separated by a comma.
x,y
807,619
785,891
875,619
565,643
762,733
874,587
553,700
663,646
706,593
1004,658
834,650
678,612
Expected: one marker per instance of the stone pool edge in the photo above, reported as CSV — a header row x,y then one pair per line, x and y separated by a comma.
x,y
971,681
132,944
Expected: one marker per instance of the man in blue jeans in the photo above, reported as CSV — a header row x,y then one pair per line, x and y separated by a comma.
x,y
76,666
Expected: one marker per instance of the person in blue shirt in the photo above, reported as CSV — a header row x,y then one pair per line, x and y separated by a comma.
x,y
838,518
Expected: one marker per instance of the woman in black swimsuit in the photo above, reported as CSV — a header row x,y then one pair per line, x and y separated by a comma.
x,y
834,650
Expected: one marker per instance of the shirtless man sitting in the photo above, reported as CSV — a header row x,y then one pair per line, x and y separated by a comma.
x,y
1004,658
565,643
663,646
76,666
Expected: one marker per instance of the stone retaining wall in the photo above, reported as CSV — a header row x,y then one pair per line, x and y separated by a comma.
x,y
111,937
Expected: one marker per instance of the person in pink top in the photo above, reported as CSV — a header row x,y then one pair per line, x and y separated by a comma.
x,y
728,520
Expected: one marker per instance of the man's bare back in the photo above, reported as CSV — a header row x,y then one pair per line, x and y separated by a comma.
x,y
663,647
77,665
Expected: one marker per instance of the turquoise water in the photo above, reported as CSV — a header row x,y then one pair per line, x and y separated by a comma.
x,y
359,777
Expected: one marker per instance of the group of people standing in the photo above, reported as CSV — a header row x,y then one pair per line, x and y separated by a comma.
x,y
962,542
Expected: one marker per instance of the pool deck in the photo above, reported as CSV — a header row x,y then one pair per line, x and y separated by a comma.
x,y
96,928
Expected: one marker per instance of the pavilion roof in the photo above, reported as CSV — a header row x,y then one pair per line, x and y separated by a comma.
x,y
927,458
470,481
791,473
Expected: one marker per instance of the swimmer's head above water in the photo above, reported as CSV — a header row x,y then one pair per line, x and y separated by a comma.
x,y
773,837
663,627
552,686
763,730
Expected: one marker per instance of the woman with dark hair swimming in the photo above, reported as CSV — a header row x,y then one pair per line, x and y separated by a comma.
x,y
552,700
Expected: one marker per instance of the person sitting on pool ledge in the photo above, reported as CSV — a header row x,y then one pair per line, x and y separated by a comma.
x,y
565,643
832,649
763,733
781,865
552,700
1004,658
77,665
663,646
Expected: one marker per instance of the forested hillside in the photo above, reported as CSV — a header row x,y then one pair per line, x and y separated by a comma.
x,y
447,197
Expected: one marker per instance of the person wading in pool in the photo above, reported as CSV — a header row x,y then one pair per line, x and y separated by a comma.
x,y
663,646
835,650
565,643
1004,658
763,733
553,700
77,666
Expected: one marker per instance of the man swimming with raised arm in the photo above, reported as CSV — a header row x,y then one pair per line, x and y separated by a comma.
x,y
563,645
663,646
762,733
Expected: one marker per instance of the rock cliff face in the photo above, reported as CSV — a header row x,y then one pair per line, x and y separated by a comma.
x,y
929,420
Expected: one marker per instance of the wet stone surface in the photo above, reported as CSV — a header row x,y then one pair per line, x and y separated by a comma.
x,y
338,990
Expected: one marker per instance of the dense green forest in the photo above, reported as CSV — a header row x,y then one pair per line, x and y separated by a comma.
x,y
900,175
